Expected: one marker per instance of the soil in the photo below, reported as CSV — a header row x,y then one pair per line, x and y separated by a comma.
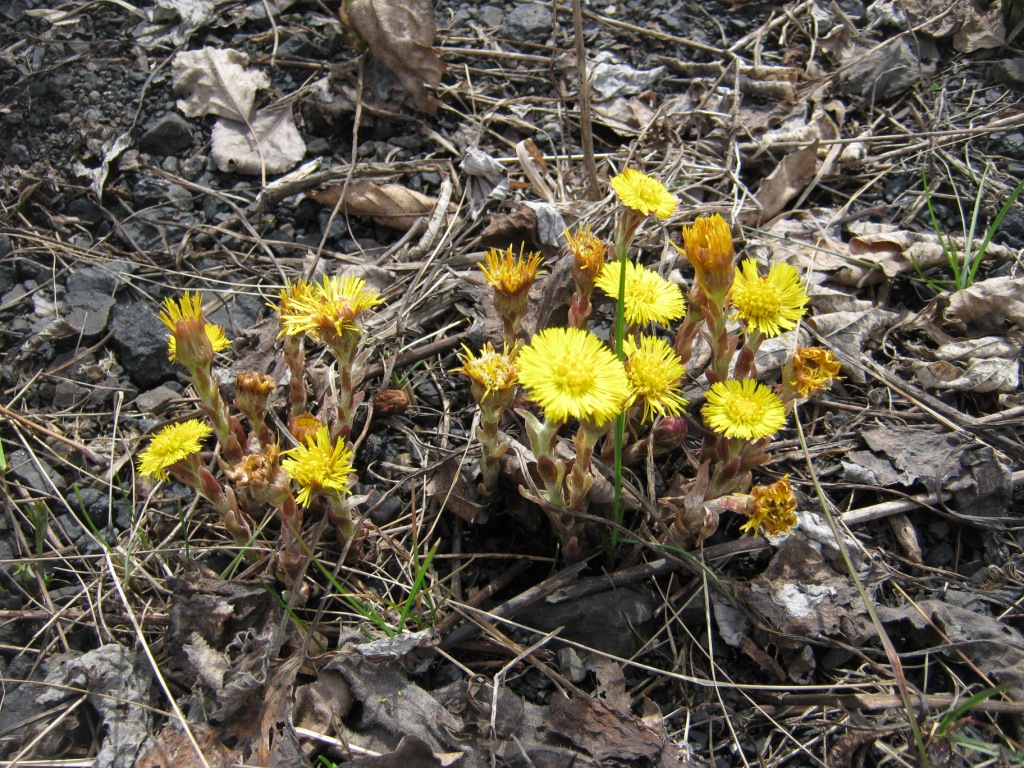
x,y
117,589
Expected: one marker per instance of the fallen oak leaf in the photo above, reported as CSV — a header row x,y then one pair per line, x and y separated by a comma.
x,y
390,205
400,33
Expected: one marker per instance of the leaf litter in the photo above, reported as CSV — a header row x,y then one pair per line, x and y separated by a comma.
x,y
816,153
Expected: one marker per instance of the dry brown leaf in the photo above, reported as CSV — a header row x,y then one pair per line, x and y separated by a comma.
x,y
602,731
788,180
400,33
1002,297
173,747
215,81
390,205
274,144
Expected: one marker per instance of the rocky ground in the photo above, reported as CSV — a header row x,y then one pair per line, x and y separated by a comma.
x,y
131,633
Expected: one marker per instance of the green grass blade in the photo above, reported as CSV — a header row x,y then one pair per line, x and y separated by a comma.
x,y
993,228
965,706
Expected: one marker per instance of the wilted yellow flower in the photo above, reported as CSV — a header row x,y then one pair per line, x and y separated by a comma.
x,y
508,274
304,427
490,371
218,341
810,370
772,508
172,444
319,466
571,373
709,249
648,296
771,304
588,250
325,311
655,373
743,408
643,193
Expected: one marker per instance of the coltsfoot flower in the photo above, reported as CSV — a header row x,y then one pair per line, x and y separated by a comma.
x,y
588,251
770,304
511,277
743,408
571,373
173,443
708,244
810,370
648,296
325,311
319,466
772,509
193,341
644,194
490,372
304,427
655,372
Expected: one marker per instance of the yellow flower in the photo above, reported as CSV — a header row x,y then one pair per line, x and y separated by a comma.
x,y
319,466
588,250
655,372
642,193
304,427
810,370
192,341
772,508
510,275
648,296
743,408
771,304
172,444
709,249
570,372
218,341
325,311
490,372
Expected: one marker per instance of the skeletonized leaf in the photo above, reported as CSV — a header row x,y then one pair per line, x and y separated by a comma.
x,y
274,144
215,81
400,33
390,205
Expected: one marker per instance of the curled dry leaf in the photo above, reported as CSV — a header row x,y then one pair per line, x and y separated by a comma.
x,y
1002,297
788,180
400,33
390,205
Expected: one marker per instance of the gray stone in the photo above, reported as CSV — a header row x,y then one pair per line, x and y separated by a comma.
x,y
166,135
105,278
571,665
528,21
29,471
140,340
88,313
1008,72
490,16
155,401
67,394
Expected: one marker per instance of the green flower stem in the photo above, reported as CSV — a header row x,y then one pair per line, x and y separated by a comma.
x,y
290,556
191,472
745,366
225,427
344,349
490,446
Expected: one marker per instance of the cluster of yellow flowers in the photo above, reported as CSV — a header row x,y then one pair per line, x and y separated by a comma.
x,y
315,471
571,374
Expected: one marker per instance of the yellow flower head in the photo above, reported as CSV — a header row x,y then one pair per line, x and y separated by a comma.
x,y
490,372
192,341
709,249
655,372
172,444
771,304
743,408
649,297
325,311
644,194
588,250
772,508
304,427
508,274
218,341
810,370
570,373
319,466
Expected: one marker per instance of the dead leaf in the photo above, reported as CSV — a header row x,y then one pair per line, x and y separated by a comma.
x,y
215,81
400,33
977,375
788,180
274,144
1002,297
412,752
390,205
848,332
602,731
172,746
